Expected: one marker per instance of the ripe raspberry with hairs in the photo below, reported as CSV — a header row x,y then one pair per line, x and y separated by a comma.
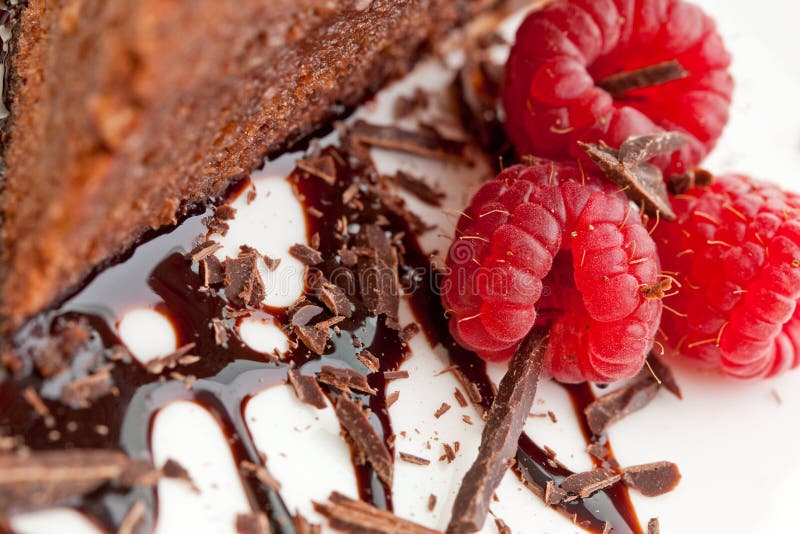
x,y
558,72
735,250
547,243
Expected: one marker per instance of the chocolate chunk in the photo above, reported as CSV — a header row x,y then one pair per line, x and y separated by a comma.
x,y
307,389
313,338
252,523
81,392
552,416
170,361
583,485
410,458
395,375
378,277
441,410
323,167
553,494
612,407
216,225
357,517
305,254
174,470
652,479
335,299
260,473
597,451
653,527
678,184
419,188
226,212
204,250
622,82
431,502
503,428
418,143
345,379
130,523
363,436
271,263
369,360
392,398
664,375
243,284
638,148
45,477
212,271
642,182
302,315
502,528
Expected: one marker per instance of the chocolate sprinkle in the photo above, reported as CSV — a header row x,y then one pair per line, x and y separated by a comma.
x,y
365,439
500,435
426,144
307,389
410,458
642,182
622,82
652,479
358,517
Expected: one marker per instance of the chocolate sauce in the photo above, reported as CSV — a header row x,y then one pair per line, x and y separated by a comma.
x,y
158,274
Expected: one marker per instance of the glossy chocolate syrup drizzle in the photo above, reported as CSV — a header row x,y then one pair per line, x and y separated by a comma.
x,y
158,274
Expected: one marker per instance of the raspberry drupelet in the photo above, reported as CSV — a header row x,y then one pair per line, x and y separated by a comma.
x,y
551,244
735,250
591,70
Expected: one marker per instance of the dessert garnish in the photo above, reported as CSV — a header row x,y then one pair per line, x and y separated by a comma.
x,y
578,69
735,251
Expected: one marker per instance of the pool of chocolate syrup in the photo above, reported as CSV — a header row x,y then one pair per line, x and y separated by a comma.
x,y
158,274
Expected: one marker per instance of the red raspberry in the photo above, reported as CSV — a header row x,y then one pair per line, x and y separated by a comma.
x,y
735,250
548,237
565,51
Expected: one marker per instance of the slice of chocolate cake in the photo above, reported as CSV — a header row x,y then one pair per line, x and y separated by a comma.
x,y
124,115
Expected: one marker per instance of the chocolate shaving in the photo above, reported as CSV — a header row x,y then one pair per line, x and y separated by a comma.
x,y
302,315
502,528
638,148
302,526
345,379
307,389
503,428
460,398
204,250
369,360
334,298
358,517
35,401
419,188
323,167
260,473
305,254
395,375
418,143
678,184
653,526
170,361
431,502
642,182
583,485
441,410
407,105
212,271
610,408
664,375
410,458
271,263
81,392
622,82
220,332
652,479
449,453
553,494
243,284
408,332
252,523
392,398
46,477
313,338
226,212
597,451
363,436
379,280
130,523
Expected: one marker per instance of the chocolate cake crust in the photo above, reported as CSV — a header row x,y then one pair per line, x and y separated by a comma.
x,y
125,115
